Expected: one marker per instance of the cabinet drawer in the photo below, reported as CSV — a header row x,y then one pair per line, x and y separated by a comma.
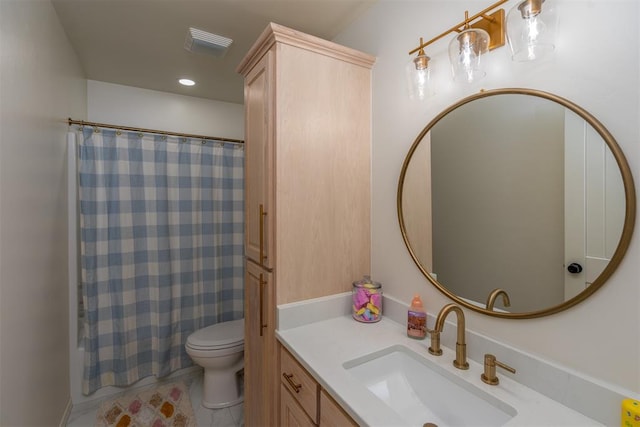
x,y
302,386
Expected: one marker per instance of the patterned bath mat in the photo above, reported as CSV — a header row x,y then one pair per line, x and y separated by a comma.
x,y
167,405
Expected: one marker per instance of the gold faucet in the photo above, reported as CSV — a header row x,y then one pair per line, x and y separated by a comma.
x,y
461,346
494,295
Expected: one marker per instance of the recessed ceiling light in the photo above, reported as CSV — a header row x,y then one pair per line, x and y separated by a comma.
x,y
186,82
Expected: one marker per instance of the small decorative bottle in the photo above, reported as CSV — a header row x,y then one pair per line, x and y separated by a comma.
x,y
417,319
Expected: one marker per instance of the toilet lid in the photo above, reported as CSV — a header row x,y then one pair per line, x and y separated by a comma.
x,y
220,335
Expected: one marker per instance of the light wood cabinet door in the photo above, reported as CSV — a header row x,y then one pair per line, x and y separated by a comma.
x,y
259,343
291,413
308,161
331,414
259,214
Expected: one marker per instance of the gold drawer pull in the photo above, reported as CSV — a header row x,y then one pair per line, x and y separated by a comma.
x,y
295,386
262,214
262,324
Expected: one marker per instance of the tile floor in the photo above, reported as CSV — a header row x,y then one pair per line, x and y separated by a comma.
x,y
227,417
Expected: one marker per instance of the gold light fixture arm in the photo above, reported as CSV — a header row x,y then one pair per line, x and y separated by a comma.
x,y
466,22
492,19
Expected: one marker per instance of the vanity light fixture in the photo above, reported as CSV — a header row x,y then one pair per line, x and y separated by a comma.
x,y
418,72
478,34
466,51
531,30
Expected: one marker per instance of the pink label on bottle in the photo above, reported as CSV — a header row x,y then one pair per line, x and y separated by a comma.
x,y
417,324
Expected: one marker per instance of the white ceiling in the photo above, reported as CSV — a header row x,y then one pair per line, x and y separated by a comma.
x,y
140,43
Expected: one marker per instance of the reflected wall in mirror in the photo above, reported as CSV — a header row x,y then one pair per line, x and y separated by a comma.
x,y
518,190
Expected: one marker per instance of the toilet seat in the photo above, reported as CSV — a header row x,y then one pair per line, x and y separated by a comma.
x,y
219,336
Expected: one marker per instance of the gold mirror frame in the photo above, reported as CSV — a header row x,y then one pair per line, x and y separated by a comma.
x,y
629,191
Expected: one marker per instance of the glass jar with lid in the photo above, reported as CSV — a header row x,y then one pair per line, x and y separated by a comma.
x,y
366,297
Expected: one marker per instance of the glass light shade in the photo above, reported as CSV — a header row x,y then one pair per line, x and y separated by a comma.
x,y
466,52
531,27
418,74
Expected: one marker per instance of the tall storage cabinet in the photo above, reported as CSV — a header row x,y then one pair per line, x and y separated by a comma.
x,y
307,191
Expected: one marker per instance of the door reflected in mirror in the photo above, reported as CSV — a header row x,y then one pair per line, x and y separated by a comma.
x,y
516,190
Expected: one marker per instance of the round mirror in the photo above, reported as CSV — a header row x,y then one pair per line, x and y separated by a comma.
x,y
516,203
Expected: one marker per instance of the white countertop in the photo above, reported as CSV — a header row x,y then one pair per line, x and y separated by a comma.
x,y
323,346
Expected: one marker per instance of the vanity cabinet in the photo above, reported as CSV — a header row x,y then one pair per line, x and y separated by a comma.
x,y
331,414
303,402
291,413
298,394
307,188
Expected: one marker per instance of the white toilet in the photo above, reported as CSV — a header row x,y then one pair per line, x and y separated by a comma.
x,y
219,349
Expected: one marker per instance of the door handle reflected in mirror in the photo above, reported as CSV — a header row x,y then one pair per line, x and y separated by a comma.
x,y
574,268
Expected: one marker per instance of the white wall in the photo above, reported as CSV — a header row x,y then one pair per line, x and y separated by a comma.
x,y
41,83
596,66
150,109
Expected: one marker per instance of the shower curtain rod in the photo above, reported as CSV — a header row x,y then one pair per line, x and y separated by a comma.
x,y
161,132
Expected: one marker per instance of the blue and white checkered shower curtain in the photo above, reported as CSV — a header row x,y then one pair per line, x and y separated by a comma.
x,y
161,224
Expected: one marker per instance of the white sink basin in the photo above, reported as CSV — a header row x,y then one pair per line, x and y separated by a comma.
x,y
420,391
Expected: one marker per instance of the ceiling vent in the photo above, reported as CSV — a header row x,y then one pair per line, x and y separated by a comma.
x,y
199,41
